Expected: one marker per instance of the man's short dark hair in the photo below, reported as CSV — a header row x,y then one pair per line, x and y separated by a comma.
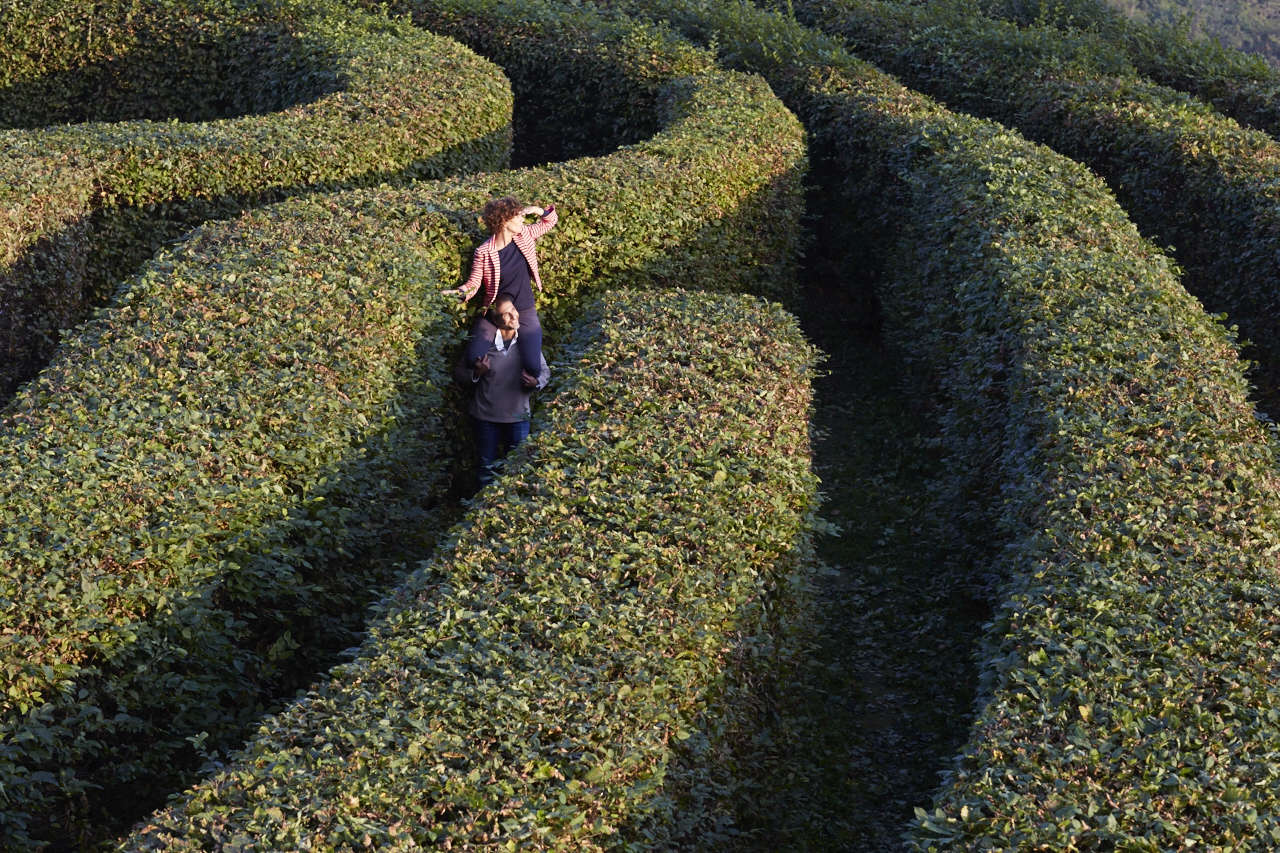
x,y
503,299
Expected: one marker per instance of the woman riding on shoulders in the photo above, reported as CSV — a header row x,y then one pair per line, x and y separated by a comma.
x,y
506,263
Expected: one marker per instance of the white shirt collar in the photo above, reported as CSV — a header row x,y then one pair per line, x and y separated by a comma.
x,y
504,345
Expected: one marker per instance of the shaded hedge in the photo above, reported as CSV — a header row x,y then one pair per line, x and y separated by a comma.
x,y
1138,505
1188,176
532,683
70,63
311,95
185,487
550,123
222,453
1101,435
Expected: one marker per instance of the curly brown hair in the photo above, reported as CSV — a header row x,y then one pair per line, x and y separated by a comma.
x,y
498,211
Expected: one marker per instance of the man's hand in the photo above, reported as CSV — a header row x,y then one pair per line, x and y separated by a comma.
x,y
481,367
528,379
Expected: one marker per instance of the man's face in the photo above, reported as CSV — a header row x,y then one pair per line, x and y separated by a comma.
x,y
508,317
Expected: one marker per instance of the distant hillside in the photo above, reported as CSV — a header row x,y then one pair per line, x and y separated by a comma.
x,y
1252,25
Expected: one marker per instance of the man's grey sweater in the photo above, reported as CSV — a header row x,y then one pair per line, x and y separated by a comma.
x,y
500,397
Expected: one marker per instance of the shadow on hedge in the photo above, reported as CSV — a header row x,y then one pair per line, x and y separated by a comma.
x,y
96,254
235,75
296,606
284,625
843,723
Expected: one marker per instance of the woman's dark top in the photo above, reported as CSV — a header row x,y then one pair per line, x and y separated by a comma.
x,y
515,280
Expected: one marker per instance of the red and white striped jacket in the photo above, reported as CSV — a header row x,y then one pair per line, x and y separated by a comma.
x,y
484,265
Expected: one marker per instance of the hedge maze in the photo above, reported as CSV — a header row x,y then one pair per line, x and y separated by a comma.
x,y
188,111
231,450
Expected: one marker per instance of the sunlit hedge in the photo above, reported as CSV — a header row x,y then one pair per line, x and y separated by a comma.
x,y
1098,422
197,485
1241,85
188,110
531,685
743,186
1188,176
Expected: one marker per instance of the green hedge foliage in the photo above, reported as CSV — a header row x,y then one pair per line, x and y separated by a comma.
x,y
195,109
1241,85
1129,683
185,487
750,162
1130,491
548,125
1188,176
531,685
216,455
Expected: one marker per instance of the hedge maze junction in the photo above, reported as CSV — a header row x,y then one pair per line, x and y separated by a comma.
x,y
232,451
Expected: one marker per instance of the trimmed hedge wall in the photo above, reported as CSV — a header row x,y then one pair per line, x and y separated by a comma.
x,y
1130,683
1131,495
353,100
185,488
209,455
1188,176
736,227
549,124
530,686
1241,85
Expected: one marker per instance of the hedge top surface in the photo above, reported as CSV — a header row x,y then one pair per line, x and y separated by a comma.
x,y
529,685
1137,503
357,95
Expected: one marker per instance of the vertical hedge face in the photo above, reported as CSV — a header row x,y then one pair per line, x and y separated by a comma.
x,y
1187,175
529,685
564,106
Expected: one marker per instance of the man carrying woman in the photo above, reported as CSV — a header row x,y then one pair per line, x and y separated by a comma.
x,y
500,387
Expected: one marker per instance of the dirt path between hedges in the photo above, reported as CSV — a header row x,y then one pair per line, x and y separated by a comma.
x,y
883,699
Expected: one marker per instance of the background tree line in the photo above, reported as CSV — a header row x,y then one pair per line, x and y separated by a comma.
x,y
1252,25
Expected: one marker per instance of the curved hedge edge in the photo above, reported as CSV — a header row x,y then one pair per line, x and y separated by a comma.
x,y
1138,508
1239,84
731,127
1135,491
1186,174
188,487
530,684
85,205
673,178
549,126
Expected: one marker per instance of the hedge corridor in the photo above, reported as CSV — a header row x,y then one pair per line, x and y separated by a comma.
x,y
213,477
215,473
1106,452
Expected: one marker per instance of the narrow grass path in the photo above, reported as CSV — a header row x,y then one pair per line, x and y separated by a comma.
x,y
882,694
